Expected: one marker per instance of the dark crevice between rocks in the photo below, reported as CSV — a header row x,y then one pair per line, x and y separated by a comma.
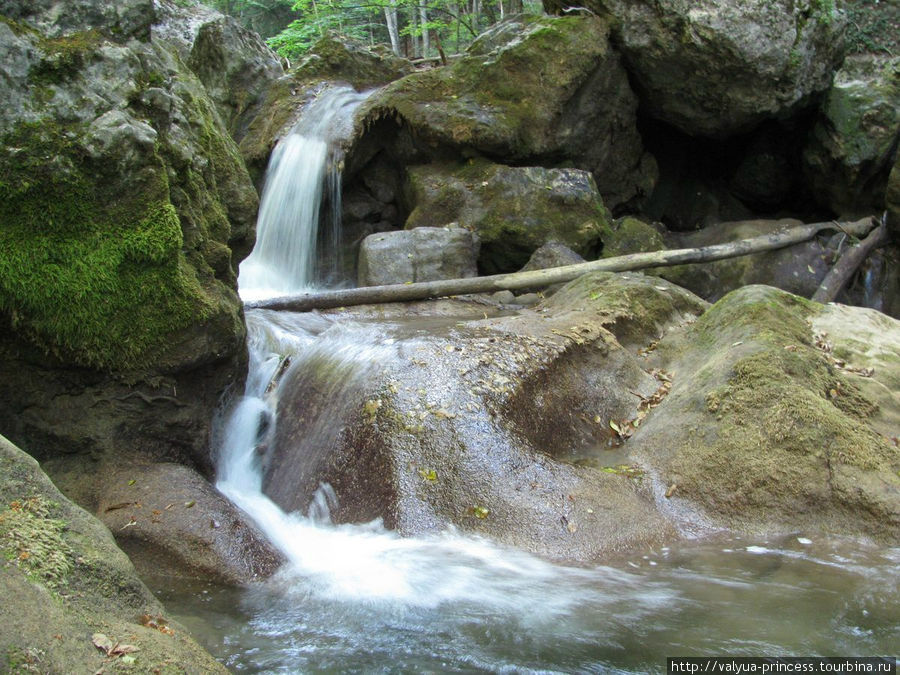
x,y
706,181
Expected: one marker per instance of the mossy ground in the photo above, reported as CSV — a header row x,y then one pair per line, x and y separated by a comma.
x,y
772,434
96,278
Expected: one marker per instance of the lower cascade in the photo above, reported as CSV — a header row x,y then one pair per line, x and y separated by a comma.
x,y
361,598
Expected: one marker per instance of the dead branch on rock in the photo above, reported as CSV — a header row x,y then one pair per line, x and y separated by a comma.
x,y
536,279
835,281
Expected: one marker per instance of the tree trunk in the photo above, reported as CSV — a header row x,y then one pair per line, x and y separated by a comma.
x,y
390,16
843,269
516,281
423,19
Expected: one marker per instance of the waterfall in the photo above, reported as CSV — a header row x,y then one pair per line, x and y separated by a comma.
x,y
303,164
348,562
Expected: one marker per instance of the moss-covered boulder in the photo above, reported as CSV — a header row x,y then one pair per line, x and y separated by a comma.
x,y
892,198
513,210
531,90
772,427
121,196
65,584
853,144
718,67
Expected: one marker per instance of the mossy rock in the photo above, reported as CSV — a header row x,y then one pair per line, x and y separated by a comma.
x,y
531,90
63,580
330,59
852,146
763,432
514,210
630,235
81,270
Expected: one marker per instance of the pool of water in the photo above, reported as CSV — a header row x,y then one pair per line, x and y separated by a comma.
x,y
725,596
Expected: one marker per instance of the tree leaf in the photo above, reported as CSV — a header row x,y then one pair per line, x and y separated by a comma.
x,y
102,642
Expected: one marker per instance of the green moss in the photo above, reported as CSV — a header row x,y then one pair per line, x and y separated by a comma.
x,y
774,316
97,281
32,540
784,425
64,56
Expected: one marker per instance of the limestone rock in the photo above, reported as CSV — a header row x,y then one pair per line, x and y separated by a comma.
x,y
420,254
168,519
63,578
763,432
178,23
119,20
718,67
531,90
514,210
236,68
552,254
852,145
498,426
892,197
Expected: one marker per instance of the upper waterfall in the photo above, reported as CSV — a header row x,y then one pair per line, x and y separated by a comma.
x,y
304,167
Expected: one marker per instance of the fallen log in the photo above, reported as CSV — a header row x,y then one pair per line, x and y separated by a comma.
x,y
535,279
843,269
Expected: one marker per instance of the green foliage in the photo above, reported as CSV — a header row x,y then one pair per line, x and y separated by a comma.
x,y
98,281
873,26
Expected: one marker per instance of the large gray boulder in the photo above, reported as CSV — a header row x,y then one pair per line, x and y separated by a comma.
x,y
437,416
852,146
420,254
718,67
531,90
122,198
514,210
169,519
236,68
119,20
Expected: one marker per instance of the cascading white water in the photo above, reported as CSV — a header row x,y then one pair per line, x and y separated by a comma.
x,y
283,260
359,598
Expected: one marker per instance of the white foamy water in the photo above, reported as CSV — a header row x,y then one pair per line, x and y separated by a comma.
x,y
366,562
304,162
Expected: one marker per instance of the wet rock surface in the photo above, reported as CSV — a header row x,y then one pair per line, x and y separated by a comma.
x,y
169,519
604,418
481,423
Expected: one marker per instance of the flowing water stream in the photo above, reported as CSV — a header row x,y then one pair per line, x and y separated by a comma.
x,y
359,598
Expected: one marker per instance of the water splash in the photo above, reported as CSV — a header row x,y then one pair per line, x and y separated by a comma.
x,y
303,164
